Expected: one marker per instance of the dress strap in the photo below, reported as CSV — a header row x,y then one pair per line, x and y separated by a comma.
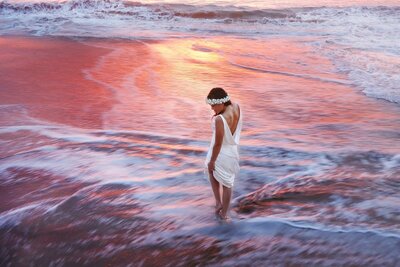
x,y
238,130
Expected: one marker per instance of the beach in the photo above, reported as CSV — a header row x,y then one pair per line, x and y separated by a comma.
x,y
45,76
103,141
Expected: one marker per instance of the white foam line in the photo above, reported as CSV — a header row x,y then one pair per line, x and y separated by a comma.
x,y
55,206
63,132
303,76
128,87
15,211
321,227
11,129
100,62
18,213
67,131
4,216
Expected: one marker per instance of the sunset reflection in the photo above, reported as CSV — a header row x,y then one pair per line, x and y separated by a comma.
x,y
104,132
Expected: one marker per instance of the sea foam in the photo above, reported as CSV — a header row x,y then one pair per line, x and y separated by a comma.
x,y
361,41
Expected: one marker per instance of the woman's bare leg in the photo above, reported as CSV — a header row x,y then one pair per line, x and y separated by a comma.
x,y
226,201
217,195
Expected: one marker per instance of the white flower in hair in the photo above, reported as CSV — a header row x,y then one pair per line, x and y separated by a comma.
x,y
214,101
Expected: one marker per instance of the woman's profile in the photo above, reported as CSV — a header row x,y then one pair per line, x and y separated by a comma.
x,y
222,160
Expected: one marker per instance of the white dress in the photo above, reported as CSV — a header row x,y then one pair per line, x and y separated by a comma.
x,y
227,163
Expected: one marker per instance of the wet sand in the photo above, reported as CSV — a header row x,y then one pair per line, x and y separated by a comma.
x,y
47,75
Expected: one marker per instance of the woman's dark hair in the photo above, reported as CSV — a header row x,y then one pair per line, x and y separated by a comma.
x,y
218,93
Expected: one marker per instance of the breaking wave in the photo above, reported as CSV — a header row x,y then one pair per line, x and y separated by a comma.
x,y
361,41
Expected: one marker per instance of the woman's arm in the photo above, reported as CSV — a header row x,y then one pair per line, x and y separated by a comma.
x,y
219,135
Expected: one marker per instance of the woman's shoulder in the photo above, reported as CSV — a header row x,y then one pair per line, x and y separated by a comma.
x,y
236,107
218,118
218,121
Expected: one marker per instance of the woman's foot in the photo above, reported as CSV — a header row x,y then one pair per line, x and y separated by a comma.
x,y
218,208
223,217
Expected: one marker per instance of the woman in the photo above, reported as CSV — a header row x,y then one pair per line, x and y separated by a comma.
x,y
222,160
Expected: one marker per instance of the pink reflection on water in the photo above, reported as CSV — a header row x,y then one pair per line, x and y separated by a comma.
x,y
155,91
46,76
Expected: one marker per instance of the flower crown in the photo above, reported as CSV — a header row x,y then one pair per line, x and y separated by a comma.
x,y
217,101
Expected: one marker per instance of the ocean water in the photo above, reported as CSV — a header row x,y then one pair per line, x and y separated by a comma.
x,y
360,37
318,83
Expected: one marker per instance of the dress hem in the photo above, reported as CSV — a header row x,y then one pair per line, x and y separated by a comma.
x,y
219,181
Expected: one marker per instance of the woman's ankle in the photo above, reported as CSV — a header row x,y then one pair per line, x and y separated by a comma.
x,y
223,216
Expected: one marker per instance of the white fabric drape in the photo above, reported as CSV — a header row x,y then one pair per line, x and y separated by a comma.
x,y
227,162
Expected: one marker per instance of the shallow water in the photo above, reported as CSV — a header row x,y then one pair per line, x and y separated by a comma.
x,y
103,143
318,182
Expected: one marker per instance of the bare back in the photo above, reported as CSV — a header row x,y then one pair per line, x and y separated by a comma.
x,y
231,116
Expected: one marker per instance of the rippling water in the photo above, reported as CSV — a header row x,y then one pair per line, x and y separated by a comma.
x,y
103,139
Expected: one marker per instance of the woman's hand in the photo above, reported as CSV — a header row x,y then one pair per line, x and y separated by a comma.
x,y
211,166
